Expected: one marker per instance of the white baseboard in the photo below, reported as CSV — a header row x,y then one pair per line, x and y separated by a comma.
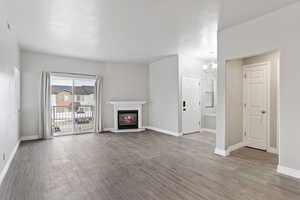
x,y
107,129
208,130
272,150
230,149
235,147
28,138
128,130
221,152
124,131
8,162
151,128
165,131
288,171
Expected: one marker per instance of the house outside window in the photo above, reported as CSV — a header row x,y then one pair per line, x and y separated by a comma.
x,y
64,98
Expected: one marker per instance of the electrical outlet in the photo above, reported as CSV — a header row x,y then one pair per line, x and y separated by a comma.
x,y
3,157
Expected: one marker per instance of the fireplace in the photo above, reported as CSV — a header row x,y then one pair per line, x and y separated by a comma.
x,y
128,119
128,116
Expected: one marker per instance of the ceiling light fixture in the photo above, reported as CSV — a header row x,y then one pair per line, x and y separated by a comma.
x,y
214,66
205,67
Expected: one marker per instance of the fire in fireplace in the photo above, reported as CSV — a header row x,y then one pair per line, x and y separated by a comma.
x,y
128,119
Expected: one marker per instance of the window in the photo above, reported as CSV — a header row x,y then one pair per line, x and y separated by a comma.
x,y
64,98
79,98
70,114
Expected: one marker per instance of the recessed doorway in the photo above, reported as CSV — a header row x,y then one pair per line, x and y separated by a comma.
x,y
252,102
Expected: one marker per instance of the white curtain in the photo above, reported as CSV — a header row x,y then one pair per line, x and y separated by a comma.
x,y
45,113
98,93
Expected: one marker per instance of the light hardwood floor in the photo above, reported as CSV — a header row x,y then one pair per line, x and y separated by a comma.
x,y
142,166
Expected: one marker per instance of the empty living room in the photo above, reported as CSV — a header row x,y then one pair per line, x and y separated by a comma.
x,y
149,100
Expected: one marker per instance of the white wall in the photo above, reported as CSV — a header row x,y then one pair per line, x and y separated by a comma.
x,y
9,116
120,82
234,99
164,105
209,121
279,30
190,67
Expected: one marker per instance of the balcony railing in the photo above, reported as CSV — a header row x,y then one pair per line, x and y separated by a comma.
x,y
65,121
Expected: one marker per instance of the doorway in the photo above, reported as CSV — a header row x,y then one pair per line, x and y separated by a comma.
x,y
73,104
191,94
252,102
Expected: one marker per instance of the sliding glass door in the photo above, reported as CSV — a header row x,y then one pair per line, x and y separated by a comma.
x,y
84,105
72,105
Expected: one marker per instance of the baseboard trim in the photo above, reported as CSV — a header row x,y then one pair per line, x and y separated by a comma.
x,y
28,138
208,130
107,129
8,163
288,171
272,150
164,131
235,147
230,149
221,152
125,130
128,130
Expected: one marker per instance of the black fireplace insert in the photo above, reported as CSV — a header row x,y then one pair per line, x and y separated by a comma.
x,y
128,119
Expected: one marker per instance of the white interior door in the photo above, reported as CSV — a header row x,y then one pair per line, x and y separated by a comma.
x,y
191,108
256,105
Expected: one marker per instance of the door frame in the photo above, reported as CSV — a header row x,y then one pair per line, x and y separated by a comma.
x,y
268,68
200,99
72,76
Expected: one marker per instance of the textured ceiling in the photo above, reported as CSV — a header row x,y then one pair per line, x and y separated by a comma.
x,y
129,30
234,12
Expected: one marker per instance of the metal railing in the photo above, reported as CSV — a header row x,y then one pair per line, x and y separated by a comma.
x,y
65,121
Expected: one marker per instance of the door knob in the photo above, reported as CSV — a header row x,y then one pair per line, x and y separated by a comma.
x,y
263,112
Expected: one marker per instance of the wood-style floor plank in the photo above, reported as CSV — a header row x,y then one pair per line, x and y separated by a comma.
x,y
142,166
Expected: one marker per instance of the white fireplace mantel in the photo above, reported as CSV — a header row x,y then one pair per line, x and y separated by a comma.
x,y
128,105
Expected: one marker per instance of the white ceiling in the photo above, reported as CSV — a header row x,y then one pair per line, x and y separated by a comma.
x,y
238,11
129,30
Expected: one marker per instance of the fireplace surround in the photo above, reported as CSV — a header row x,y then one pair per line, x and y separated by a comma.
x,y
130,114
